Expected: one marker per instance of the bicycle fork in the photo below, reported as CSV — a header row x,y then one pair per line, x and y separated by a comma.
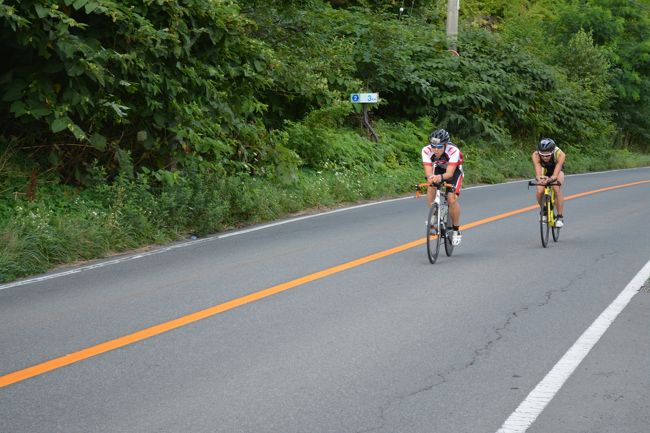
x,y
444,216
550,203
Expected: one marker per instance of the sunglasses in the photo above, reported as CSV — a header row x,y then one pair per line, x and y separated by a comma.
x,y
545,154
437,146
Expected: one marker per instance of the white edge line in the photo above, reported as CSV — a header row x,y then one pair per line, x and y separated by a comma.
x,y
528,411
239,232
278,223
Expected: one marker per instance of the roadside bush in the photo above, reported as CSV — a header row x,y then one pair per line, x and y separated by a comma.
x,y
165,81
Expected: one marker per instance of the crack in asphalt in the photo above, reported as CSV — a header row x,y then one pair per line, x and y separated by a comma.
x,y
382,422
486,348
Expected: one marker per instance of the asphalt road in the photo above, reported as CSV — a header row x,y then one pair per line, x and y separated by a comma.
x,y
338,323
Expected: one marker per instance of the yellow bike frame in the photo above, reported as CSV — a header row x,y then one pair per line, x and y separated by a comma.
x,y
550,204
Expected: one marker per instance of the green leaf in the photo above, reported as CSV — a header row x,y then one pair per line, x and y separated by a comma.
x,y
76,70
54,158
18,108
78,4
66,48
78,132
41,11
98,141
159,119
59,124
40,112
90,7
14,92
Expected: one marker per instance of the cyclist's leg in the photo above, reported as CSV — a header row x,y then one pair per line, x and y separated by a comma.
x,y
452,197
454,208
539,194
431,194
559,195
454,205
454,213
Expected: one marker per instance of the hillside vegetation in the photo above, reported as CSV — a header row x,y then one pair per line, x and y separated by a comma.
x,y
131,122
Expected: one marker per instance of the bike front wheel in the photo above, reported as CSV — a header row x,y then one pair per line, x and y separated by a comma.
x,y
433,233
449,232
555,230
544,228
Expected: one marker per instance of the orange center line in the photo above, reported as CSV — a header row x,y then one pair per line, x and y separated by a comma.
x,y
56,363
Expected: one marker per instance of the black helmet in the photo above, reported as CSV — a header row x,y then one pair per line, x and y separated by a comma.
x,y
439,137
546,145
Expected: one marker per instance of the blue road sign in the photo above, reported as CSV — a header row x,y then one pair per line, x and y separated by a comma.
x,y
364,98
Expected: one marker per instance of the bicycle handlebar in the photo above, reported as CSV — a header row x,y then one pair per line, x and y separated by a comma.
x,y
428,184
535,183
437,185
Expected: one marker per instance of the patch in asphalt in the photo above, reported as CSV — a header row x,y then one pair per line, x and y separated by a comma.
x,y
645,288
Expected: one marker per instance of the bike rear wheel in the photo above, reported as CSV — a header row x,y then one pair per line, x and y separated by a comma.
x,y
544,228
433,233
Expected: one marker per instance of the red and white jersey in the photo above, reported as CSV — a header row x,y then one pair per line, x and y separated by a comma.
x,y
451,156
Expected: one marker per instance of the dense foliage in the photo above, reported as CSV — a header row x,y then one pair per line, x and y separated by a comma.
x,y
143,83
135,121
129,82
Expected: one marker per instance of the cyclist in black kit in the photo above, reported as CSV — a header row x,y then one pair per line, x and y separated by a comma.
x,y
548,161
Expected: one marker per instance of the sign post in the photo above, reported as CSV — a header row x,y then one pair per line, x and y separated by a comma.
x,y
453,7
364,99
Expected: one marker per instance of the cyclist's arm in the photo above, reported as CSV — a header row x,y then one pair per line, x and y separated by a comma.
x,y
539,171
427,163
561,156
449,174
428,172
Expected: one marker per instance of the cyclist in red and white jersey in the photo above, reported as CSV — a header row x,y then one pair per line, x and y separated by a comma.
x,y
443,162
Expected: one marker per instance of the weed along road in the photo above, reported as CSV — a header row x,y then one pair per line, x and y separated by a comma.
x,y
338,323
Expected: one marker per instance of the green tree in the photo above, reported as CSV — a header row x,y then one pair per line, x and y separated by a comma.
x,y
153,82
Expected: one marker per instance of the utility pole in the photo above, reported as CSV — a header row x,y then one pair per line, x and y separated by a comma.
x,y
453,6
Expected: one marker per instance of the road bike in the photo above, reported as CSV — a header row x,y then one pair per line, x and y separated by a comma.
x,y
439,227
547,212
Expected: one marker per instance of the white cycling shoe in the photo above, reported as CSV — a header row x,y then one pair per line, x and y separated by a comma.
x,y
559,223
456,238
